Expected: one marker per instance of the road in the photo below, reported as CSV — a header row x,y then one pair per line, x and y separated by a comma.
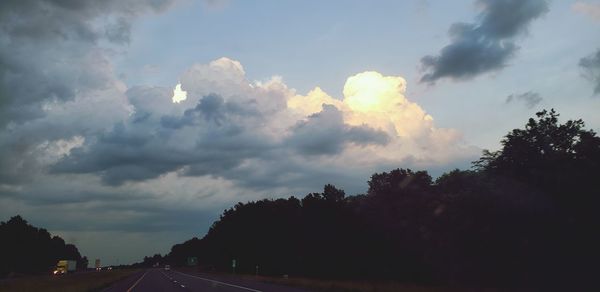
x,y
174,281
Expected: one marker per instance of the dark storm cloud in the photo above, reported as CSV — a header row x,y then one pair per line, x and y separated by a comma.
x,y
485,45
211,108
530,98
119,31
47,42
50,54
120,155
591,65
326,133
146,147
67,19
212,138
299,175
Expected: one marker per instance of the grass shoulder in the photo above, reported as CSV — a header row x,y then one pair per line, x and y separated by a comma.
x,y
84,281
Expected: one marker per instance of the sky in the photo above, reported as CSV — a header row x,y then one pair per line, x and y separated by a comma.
x,y
127,126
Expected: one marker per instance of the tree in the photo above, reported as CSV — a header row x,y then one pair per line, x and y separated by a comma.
x,y
333,194
524,215
398,182
551,156
562,161
27,249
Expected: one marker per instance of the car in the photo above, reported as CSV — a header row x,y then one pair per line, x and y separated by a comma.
x,y
167,268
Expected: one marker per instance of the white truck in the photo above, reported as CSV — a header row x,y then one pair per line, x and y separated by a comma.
x,y
65,266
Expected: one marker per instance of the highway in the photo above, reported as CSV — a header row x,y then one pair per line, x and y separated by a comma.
x,y
174,281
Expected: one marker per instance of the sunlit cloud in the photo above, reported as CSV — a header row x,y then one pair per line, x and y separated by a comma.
x,y
372,92
379,102
371,99
179,95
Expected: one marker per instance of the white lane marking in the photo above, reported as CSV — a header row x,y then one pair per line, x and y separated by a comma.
x,y
136,282
174,281
222,283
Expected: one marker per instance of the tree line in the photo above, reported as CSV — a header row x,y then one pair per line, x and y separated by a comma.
x,y
25,249
523,215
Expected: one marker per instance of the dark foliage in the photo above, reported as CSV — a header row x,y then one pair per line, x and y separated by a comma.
x,y
153,261
525,216
25,249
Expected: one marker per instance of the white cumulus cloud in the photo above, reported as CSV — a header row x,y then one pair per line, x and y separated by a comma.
x,y
379,102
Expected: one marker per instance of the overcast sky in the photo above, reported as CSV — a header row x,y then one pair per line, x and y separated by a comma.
x,y
128,126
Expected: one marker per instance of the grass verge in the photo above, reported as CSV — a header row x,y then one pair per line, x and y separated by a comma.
x,y
322,285
349,285
91,281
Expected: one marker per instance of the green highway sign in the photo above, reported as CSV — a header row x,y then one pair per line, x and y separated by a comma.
x,y
192,261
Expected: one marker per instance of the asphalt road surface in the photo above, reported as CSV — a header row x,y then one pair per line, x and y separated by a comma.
x,y
161,280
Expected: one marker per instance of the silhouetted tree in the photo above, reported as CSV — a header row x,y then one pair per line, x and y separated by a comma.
x,y
561,159
333,194
525,216
25,249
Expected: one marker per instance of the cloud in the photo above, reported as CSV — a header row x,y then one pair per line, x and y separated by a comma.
x,y
75,140
530,98
228,124
215,4
376,101
591,65
55,75
589,9
325,133
51,42
422,6
208,138
178,94
485,45
146,159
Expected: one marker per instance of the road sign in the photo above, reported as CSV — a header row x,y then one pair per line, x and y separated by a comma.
x,y
192,261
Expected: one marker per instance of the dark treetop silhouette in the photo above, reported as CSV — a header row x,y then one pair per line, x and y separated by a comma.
x,y
25,249
525,215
